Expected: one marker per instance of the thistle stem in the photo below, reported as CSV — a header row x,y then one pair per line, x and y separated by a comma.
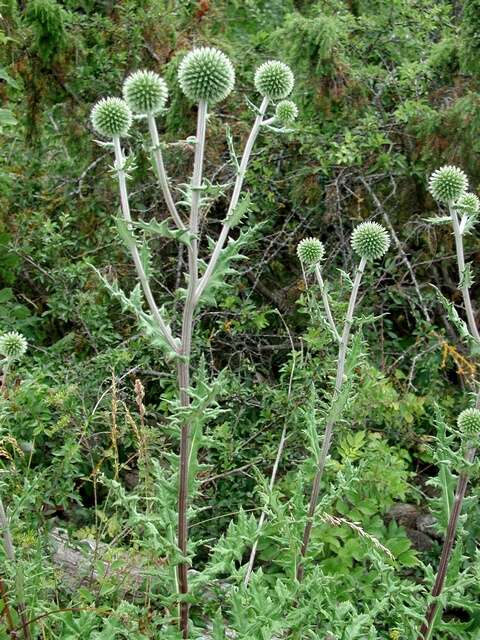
x,y
326,303
183,369
342,353
427,626
19,586
237,189
122,181
472,325
161,172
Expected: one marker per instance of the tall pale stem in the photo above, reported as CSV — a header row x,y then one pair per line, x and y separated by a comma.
x,y
125,205
183,369
472,325
161,172
342,352
237,190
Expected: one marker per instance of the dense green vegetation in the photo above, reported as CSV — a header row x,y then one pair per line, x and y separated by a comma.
x,y
387,92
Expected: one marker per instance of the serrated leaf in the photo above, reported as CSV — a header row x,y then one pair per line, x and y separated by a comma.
x,y
452,314
438,220
466,279
239,212
163,230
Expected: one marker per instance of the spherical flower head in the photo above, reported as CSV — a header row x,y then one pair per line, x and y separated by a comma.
x,y
310,251
286,112
469,423
111,117
370,240
13,345
468,204
145,92
206,74
274,80
447,184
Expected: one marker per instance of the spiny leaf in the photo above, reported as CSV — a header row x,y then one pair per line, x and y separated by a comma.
x,y
242,208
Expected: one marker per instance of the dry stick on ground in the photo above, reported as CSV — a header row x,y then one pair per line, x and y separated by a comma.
x,y
327,439
428,625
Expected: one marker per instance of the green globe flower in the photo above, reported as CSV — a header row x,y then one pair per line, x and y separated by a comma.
x,y
469,423
111,117
13,345
274,80
286,112
206,74
468,204
370,240
310,251
145,92
447,184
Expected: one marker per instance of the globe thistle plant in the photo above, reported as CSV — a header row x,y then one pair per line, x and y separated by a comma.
x,y
206,74
370,240
274,80
447,184
286,112
145,92
469,423
13,345
111,117
310,251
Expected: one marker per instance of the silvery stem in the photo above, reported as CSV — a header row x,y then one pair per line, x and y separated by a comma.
x,y
19,586
342,352
326,303
472,325
161,172
237,189
183,368
125,205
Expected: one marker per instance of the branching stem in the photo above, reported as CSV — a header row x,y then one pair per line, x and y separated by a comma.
x,y
122,181
237,189
342,353
161,172
326,303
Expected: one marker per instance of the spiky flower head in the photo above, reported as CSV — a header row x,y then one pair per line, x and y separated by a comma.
x,y
447,184
111,117
310,251
468,204
145,92
206,74
274,80
469,423
370,240
286,112
13,345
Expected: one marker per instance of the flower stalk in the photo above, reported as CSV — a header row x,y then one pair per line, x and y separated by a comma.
x,y
327,439
449,184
